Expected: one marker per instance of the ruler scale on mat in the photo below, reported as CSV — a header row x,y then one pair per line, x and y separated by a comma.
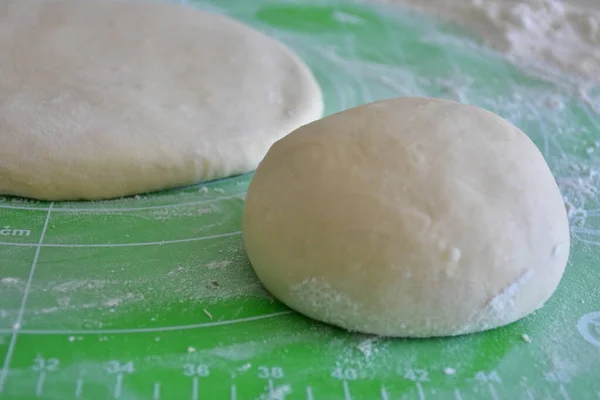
x,y
152,297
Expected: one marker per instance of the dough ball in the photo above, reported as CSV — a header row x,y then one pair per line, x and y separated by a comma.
x,y
104,98
408,217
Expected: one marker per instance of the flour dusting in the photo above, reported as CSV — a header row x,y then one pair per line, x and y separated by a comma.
x,y
547,34
277,393
449,371
198,282
505,300
368,346
329,303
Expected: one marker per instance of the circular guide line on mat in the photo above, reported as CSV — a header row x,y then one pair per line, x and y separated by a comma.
x,y
589,328
124,244
111,210
143,330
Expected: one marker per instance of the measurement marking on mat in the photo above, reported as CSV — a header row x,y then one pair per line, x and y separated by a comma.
x,y
79,388
271,387
309,393
19,321
39,387
493,392
109,210
384,394
75,245
457,394
233,393
347,395
18,244
420,391
8,231
564,393
195,388
118,386
156,391
139,330
24,208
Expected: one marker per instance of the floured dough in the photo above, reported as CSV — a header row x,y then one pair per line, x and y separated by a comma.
x,y
102,98
408,217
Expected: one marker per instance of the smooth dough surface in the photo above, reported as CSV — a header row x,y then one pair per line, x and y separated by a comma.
x,y
102,98
408,217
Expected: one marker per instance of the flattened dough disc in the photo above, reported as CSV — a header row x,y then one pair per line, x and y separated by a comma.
x,y
101,98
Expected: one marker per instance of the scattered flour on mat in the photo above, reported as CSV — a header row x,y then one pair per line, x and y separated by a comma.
x,y
167,214
368,347
278,392
551,34
578,185
218,264
198,283
449,371
118,300
73,285
10,281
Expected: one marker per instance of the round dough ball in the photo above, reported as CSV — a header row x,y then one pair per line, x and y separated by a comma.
x,y
408,217
103,98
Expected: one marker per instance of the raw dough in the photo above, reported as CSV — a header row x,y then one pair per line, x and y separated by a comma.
x,y
103,98
408,217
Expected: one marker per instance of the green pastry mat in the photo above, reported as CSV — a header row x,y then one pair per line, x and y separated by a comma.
x,y
152,297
